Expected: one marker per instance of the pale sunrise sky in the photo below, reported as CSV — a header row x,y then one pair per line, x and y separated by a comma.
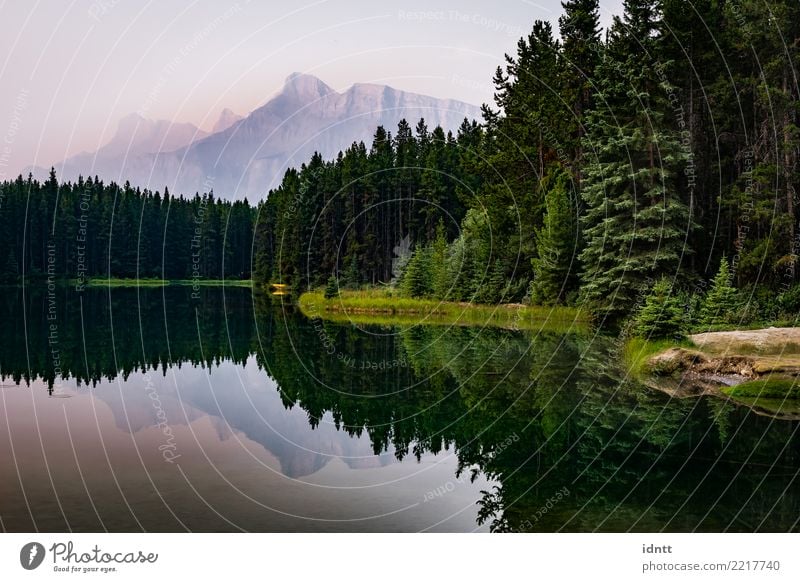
x,y
69,70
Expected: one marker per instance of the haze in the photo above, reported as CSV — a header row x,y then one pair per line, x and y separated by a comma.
x,y
70,71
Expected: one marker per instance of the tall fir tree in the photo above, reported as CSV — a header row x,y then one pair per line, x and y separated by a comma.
x,y
555,266
636,223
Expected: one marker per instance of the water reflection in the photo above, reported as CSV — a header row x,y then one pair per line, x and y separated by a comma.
x,y
233,412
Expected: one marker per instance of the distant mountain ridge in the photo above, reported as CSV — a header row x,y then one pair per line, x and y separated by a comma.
x,y
246,156
226,119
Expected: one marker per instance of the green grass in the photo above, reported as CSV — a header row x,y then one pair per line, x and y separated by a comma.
x,y
777,406
153,282
213,282
117,282
768,388
636,353
387,307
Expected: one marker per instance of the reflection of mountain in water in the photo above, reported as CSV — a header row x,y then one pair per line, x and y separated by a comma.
x,y
537,413
241,400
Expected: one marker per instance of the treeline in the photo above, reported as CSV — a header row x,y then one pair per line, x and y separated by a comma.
x,y
91,229
607,162
354,214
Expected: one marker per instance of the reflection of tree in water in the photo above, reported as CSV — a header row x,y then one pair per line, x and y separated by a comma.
x,y
539,414
104,333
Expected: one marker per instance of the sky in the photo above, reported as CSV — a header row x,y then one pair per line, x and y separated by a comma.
x,y
71,69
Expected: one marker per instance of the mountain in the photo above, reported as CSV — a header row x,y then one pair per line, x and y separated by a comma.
x,y
251,155
226,119
135,137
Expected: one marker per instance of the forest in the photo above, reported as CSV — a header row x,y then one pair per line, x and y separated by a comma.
x,y
653,164
90,229
655,161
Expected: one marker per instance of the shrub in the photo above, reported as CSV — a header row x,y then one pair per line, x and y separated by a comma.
x,y
790,300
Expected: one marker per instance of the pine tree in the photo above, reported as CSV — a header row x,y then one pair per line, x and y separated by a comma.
x,y
440,279
521,140
332,288
580,41
494,288
555,264
416,280
636,222
661,316
721,302
352,277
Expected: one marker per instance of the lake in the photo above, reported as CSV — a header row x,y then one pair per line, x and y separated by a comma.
x,y
159,410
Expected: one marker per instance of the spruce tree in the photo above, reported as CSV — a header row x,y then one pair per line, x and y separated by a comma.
x,y
636,222
721,301
661,315
440,278
555,264
416,280
332,288
580,41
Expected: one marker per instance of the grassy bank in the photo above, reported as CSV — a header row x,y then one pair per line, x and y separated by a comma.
x,y
152,282
385,307
636,353
766,388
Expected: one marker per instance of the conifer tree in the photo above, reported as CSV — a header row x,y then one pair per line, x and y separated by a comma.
x,y
555,263
580,39
635,223
720,303
416,281
440,280
661,316
332,287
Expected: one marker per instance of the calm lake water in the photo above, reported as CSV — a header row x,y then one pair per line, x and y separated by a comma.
x,y
130,410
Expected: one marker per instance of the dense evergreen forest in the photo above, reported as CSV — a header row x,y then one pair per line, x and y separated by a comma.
x,y
663,148
90,229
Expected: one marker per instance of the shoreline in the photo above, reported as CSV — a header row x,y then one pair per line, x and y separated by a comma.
x,y
380,307
756,367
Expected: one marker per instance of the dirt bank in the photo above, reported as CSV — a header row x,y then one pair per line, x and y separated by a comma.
x,y
727,358
741,354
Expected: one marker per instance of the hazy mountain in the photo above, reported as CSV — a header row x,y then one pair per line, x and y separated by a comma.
x,y
251,154
226,119
135,137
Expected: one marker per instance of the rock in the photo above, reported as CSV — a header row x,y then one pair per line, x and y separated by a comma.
x,y
675,360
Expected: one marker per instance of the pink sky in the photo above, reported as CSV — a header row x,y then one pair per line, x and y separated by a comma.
x,y
70,70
